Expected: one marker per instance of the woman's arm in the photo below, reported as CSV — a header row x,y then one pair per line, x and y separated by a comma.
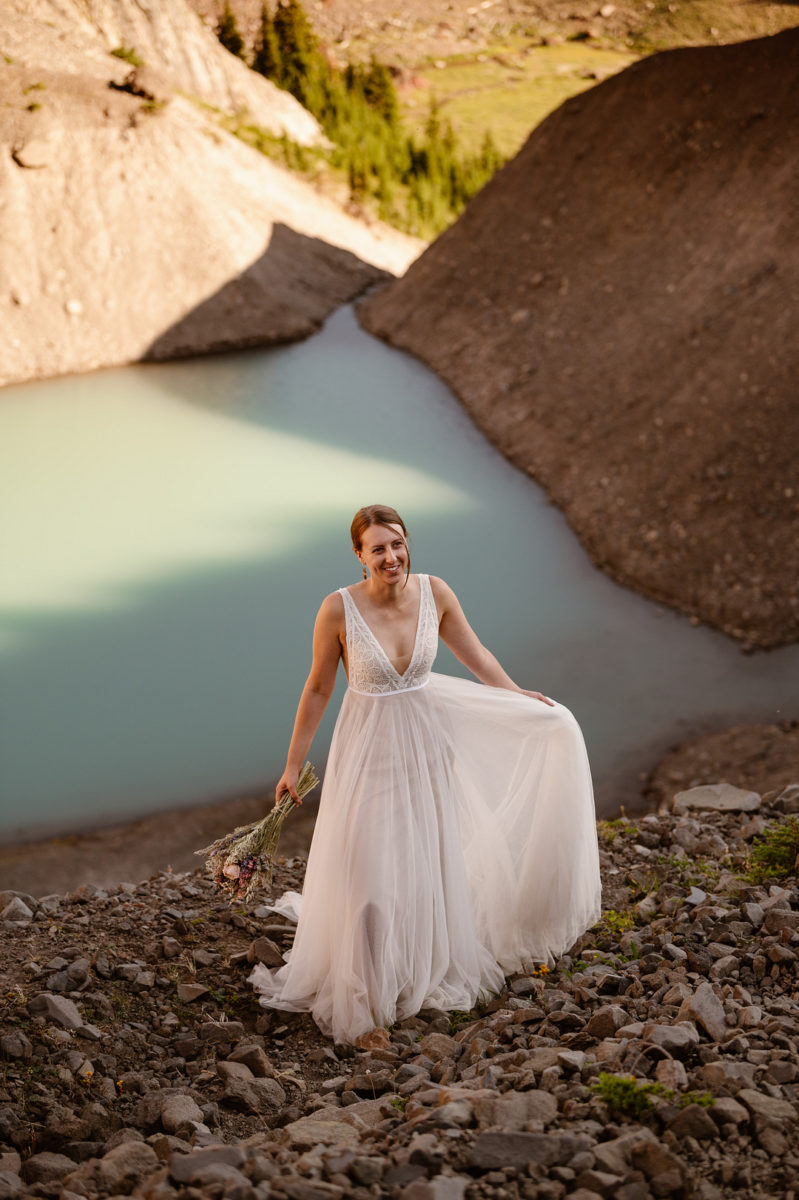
x,y
456,632
317,691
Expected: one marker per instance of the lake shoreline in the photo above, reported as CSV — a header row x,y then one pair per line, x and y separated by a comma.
x,y
764,757
131,850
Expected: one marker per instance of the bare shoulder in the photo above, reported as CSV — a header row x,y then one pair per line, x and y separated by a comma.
x,y
331,610
441,589
445,598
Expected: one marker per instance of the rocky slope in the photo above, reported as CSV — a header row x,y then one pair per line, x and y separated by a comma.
x,y
419,29
134,226
657,1059
617,311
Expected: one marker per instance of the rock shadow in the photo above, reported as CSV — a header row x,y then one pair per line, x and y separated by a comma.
x,y
284,296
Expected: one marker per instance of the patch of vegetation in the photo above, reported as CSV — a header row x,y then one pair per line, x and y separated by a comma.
x,y
608,831
509,86
615,923
631,1097
128,54
228,32
34,87
399,1102
459,1017
775,854
417,182
693,872
33,107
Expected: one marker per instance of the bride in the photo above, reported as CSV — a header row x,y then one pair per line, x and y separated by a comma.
x,y
456,835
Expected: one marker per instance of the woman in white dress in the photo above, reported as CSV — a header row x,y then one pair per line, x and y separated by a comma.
x,y
456,836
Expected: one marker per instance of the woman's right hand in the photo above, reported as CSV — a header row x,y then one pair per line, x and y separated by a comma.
x,y
288,783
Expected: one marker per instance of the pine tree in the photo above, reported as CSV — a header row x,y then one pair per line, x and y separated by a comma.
x,y
380,93
299,56
267,52
228,32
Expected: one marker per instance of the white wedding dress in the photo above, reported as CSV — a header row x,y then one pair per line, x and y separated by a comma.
x,y
455,842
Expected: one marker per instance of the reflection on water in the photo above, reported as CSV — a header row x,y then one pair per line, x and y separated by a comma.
x,y
169,532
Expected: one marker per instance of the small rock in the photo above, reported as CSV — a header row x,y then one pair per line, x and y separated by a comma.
x,y
731,1075
595,1183
191,991
179,1110
11,1185
724,967
614,1156
56,1008
314,1131
121,1168
255,1058
706,1009
264,950
671,1074
218,1032
771,1107
788,799
439,1045
718,797
606,1021
15,1045
492,1151
679,1038
43,1167
653,1158
440,1187
693,1121
511,1111
728,1111
16,912
253,1095
188,1168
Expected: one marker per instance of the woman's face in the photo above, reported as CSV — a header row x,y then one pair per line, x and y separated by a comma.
x,y
384,552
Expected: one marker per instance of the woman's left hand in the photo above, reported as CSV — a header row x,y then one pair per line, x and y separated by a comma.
x,y
539,696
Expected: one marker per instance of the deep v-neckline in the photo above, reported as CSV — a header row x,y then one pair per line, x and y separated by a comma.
x,y
379,645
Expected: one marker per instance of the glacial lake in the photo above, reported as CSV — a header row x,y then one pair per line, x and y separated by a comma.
x,y
169,531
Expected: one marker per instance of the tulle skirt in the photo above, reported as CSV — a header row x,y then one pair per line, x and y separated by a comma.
x,y
455,843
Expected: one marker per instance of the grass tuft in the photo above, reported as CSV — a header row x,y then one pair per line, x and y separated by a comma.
x,y
776,853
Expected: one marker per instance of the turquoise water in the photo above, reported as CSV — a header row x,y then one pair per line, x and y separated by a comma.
x,y
169,532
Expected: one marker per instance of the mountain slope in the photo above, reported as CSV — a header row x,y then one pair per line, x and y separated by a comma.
x,y
618,311
131,224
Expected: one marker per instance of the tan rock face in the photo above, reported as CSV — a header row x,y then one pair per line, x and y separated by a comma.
x,y
616,310
77,36
136,228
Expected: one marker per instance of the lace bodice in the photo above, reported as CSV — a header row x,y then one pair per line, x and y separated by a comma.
x,y
370,669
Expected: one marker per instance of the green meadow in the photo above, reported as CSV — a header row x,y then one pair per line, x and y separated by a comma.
x,y
507,88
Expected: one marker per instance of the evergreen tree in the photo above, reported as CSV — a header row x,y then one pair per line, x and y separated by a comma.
x,y
228,32
267,51
420,185
380,93
299,56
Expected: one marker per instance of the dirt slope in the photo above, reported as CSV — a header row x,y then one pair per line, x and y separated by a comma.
x,y
77,37
618,311
131,224
417,29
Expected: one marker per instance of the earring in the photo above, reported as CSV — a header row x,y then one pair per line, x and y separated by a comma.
x,y
364,573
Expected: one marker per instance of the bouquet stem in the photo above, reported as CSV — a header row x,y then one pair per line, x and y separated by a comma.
x,y
244,860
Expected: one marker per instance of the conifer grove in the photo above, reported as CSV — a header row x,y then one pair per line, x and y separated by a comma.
x,y
418,184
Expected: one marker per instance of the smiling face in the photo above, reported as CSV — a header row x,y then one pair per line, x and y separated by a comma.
x,y
384,552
